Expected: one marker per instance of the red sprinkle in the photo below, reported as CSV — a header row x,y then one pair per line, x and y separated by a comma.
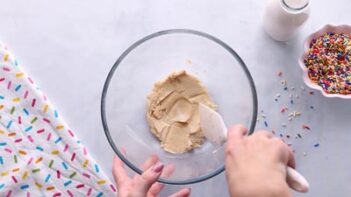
x,y
306,127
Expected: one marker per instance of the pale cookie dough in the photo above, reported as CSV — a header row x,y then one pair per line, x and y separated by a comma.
x,y
172,112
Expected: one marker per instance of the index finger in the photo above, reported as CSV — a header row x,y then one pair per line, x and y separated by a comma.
x,y
236,133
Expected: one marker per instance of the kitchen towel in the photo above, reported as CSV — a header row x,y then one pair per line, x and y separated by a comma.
x,y
39,154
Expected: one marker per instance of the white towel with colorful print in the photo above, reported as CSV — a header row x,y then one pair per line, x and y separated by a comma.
x,y
39,154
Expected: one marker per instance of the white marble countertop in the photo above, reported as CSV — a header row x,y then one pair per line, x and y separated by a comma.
x,y
69,47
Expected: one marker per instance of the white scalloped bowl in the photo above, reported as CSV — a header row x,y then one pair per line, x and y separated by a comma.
x,y
326,29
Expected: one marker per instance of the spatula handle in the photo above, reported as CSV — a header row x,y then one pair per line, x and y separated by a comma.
x,y
296,181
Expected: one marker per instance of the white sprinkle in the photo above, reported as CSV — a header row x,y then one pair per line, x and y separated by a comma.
x,y
277,95
290,119
283,124
292,88
283,82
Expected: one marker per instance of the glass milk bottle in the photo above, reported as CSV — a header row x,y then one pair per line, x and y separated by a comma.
x,y
282,18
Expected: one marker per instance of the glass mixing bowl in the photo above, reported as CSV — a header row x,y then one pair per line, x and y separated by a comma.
x,y
151,59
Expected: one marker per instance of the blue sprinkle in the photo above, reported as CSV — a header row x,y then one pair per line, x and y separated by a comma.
x,y
281,135
39,148
16,63
316,145
67,183
9,124
265,123
25,111
47,178
28,128
2,186
311,107
276,100
78,141
97,168
2,97
64,165
58,140
56,114
1,160
18,87
286,88
100,194
291,101
24,187
3,143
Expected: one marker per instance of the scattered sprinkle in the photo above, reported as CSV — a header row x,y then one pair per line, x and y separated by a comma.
x,y
265,123
304,126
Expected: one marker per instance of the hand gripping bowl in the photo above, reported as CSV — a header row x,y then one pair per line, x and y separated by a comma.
x,y
131,79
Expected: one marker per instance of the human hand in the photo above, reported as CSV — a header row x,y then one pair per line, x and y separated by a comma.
x,y
143,185
256,164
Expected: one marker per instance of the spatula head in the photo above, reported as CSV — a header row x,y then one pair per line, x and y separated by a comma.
x,y
212,125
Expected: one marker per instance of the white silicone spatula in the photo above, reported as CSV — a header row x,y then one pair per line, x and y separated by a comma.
x,y
215,131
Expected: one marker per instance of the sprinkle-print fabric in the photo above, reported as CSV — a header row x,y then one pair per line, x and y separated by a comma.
x,y
39,154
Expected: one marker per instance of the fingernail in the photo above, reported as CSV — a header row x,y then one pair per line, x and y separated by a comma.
x,y
158,167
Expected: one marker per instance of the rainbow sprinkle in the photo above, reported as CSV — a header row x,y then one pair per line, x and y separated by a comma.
x,y
36,142
329,63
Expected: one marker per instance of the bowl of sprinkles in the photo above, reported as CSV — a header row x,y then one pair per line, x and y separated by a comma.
x,y
326,62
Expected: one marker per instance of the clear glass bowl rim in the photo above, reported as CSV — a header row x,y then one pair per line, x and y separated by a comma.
x,y
155,35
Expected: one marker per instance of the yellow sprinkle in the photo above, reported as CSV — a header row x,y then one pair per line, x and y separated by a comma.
x,y
25,174
86,163
16,99
19,74
2,131
45,109
6,57
4,173
22,152
58,127
11,134
101,182
55,152
50,188
38,185
15,170
39,160
1,106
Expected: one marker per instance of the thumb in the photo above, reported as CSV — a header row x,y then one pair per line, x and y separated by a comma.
x,y
149,177
182,193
